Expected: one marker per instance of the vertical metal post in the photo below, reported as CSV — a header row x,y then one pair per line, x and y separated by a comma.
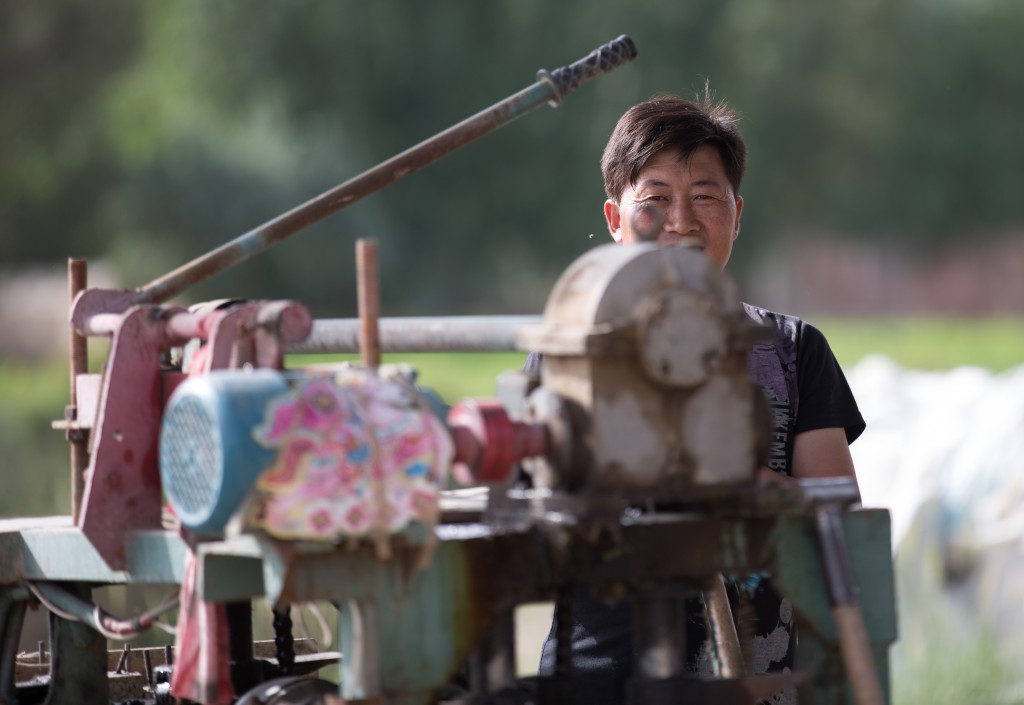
x,y
368,285
79,356
492,666
723,628
13,602
78,660
659,633
245,670
359,638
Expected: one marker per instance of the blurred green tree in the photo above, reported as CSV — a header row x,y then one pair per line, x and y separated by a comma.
x,y
57,62
154,133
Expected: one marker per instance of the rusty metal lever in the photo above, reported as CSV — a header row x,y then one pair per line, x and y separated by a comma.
x,y
842,592
549,88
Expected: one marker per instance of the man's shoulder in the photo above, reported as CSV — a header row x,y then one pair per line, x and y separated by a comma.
x,y
792,332
788,327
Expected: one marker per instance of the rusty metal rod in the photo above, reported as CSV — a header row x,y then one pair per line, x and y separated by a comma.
x,y
78,278
550,88
418,334
723,628
368,287
854,644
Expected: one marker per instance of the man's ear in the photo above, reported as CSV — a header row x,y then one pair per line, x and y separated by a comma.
x,y
614,219
739,211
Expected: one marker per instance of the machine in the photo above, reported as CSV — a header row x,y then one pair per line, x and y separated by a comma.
x,y
627,466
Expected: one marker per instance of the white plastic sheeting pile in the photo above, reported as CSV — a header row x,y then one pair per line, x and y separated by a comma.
x,y
944,451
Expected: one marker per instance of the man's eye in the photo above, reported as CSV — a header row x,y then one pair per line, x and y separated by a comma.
x,y
656,198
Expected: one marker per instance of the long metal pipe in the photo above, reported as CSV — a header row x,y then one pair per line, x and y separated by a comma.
x,y
549,88
418,334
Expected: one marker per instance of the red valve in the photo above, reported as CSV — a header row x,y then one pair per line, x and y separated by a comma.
x,y
488,443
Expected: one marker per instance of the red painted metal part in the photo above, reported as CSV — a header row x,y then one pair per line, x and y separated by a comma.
x,y
123,487
488,443
251,332
123,491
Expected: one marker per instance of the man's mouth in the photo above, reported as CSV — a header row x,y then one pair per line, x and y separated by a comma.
x,y
683,240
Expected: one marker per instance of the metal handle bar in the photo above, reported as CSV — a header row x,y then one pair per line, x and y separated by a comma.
x,y
549,88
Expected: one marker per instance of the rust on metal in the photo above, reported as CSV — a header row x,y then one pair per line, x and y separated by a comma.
x,y
79,359
550,88
318,208
368,286
419,334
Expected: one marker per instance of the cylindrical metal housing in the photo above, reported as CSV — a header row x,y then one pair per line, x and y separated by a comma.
x,y
651,343
208,458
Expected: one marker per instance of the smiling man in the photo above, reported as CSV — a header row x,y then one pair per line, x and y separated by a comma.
x,y
672,173
693,197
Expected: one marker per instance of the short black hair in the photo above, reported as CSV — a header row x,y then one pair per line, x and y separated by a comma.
x,y
671,122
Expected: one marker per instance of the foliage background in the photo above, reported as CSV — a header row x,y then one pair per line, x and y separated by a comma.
x,y
148,134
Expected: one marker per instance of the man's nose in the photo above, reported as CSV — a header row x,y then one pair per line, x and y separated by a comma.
x,y
680,217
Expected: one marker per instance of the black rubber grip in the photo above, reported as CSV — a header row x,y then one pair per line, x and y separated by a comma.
x,y
602,60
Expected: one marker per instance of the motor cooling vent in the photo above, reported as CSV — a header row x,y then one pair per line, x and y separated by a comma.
x,y
209,460
191,457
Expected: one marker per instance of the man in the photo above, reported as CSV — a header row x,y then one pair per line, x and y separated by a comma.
x,y
686,161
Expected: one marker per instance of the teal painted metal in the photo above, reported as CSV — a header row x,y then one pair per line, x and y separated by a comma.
x,y
423,620
52,549
408,628
799,575
419,619
233,570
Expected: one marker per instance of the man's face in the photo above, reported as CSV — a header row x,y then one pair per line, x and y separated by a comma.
x,y
693,198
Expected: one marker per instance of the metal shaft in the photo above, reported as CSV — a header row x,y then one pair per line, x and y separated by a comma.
x,y
369,302
550,88
418,334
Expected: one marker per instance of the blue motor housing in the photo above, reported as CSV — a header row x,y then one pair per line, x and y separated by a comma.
x,y
208,458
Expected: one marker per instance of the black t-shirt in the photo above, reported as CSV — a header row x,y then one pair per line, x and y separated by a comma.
x,y
804,385
806,390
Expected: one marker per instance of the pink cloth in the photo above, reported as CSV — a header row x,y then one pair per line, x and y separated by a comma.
x,y
202,667
202,670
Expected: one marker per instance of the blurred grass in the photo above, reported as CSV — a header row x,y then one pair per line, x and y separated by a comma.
x,y
995,344
31,392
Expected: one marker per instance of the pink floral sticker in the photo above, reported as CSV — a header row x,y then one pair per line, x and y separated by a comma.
x,y
356,455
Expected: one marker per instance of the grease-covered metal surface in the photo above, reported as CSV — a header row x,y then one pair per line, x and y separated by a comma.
x,y
418,622
651,343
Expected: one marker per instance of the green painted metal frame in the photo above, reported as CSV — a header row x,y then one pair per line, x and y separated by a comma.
x,y
53,549
429,606
427,620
